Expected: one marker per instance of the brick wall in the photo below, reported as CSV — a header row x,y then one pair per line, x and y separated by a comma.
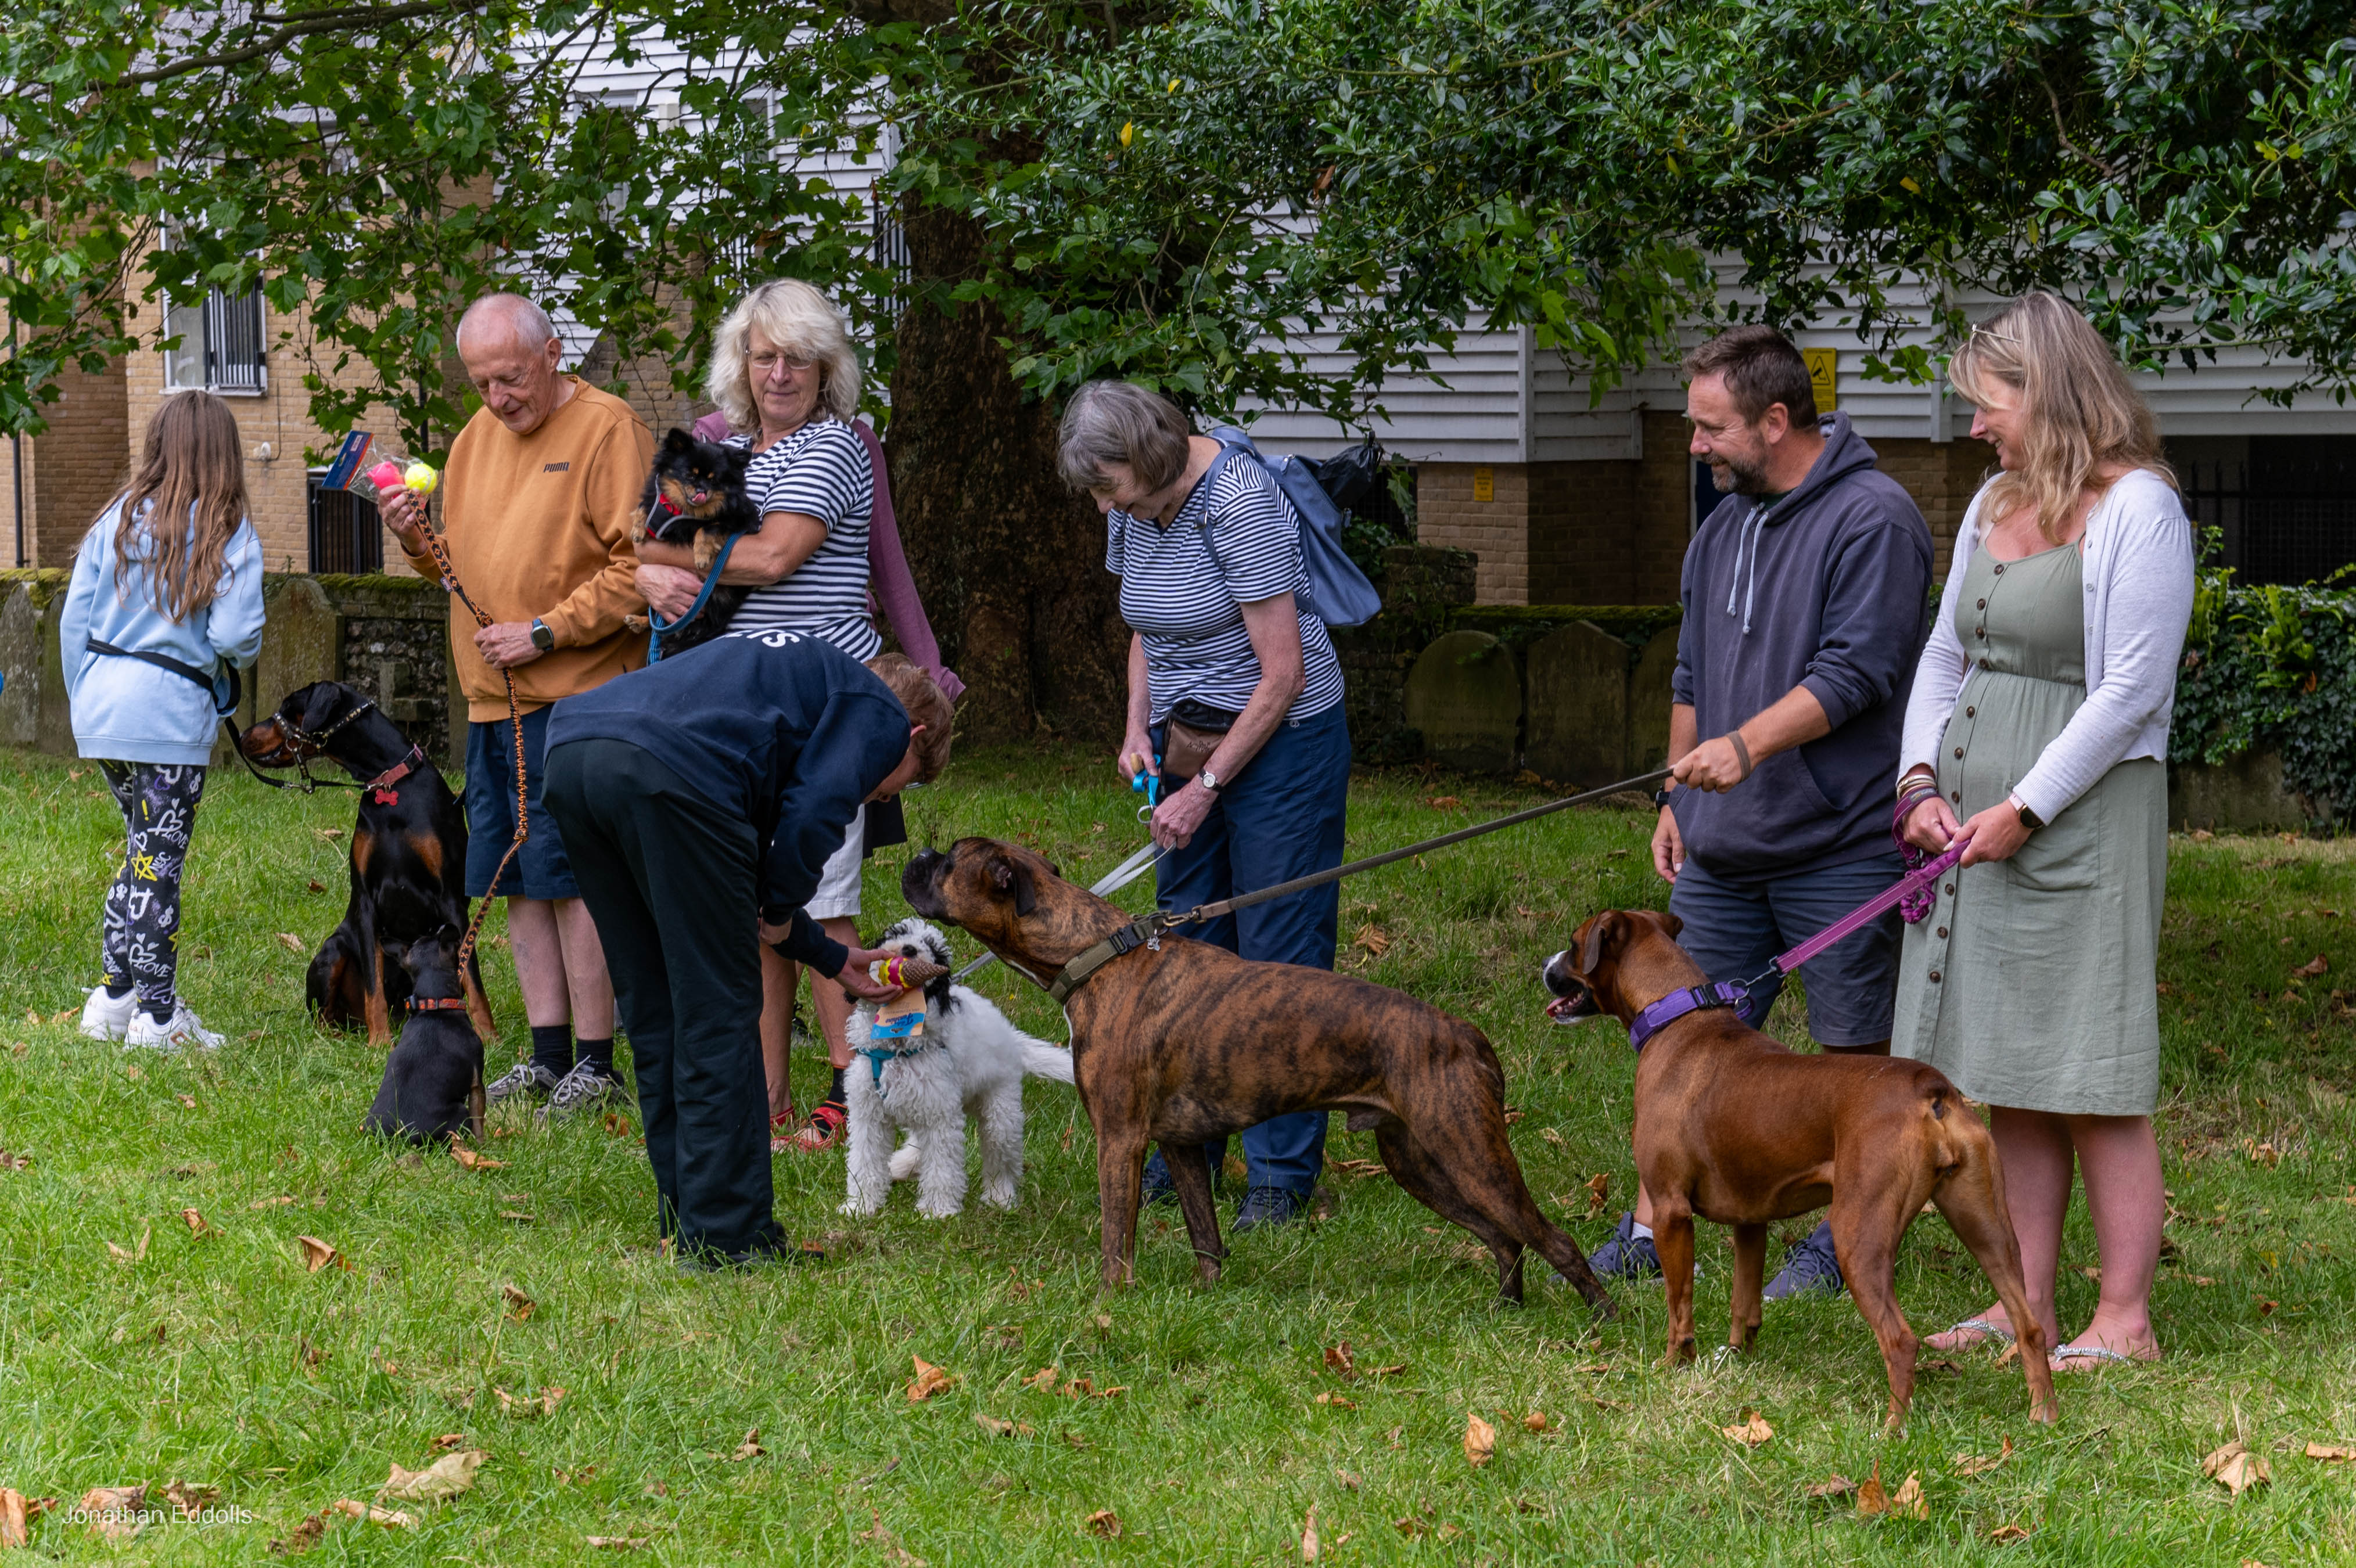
x,y
72,471
1497,530
1942,477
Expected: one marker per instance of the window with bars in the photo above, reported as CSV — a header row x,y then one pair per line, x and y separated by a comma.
x,y
223,344
346,535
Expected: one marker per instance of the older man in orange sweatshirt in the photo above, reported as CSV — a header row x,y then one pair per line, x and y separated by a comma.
x,y
539,495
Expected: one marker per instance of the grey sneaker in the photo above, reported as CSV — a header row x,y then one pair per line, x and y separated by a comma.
x,y
582,1089
524,1078
1264,1206
1626,1255
1809,1269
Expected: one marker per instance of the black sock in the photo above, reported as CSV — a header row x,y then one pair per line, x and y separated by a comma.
x,y
834,1091
162,1014
552,1048
596,1053
115,993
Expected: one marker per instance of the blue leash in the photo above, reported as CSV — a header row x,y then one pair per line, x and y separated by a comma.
x,y
658,625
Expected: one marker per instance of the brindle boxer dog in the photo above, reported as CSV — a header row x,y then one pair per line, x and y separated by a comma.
x,y
1185,1042
1733,1126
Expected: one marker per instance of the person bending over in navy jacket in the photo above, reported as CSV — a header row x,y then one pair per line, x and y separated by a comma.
x,y
692,794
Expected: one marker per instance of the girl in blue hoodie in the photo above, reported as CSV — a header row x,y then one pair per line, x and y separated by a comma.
x,y
167,585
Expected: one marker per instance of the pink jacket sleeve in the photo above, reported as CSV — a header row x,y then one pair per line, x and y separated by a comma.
x,y
887,564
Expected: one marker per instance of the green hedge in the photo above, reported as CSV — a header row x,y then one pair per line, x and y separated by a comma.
x,y
2273,666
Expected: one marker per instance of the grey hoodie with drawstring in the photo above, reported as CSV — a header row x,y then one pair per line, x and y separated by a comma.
x,y
1827,588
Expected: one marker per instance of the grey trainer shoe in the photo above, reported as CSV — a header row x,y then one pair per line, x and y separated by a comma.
x,y
524,1078
1809,1269
582,1089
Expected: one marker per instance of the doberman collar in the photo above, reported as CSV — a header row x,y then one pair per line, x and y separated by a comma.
x,y
1146,933
1657,1017
437,1004
386,794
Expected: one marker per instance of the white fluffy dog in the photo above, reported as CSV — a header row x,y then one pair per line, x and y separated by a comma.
x,y
970,1062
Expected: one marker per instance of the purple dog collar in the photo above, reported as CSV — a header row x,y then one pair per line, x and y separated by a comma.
x,y
1677,1004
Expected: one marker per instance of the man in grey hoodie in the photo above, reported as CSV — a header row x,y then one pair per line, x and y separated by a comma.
x,y
1807,596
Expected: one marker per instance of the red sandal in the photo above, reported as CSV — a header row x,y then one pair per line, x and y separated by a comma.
x,y
824,1130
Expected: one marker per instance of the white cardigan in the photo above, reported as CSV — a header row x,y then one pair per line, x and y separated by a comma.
x,y
2138,562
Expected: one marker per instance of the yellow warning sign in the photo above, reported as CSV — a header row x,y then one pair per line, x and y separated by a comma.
x,y
1821,364
1484,485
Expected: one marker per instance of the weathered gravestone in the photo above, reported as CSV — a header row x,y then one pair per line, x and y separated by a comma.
x,y
1579,706
1648,703
20,668
1466,698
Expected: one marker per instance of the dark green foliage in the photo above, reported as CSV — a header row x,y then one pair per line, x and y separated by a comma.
x,y
2273,666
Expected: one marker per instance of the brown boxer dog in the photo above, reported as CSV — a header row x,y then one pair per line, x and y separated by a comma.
x,y
1733,1126
1182,1043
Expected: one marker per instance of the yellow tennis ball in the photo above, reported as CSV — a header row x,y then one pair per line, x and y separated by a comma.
x,y
421,478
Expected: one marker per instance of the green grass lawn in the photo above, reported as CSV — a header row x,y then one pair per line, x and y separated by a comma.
x,y
133,1350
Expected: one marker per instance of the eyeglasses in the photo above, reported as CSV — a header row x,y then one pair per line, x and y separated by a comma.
x,y
763,364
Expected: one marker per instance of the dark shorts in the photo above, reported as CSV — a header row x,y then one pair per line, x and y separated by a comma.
x,y
1733,928
540,869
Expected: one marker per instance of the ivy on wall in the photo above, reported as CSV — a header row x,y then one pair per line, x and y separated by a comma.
x,y
2273,666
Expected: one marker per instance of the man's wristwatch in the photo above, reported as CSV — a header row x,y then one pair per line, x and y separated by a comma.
x,y
2028,818
1208,780
542,638
1661,796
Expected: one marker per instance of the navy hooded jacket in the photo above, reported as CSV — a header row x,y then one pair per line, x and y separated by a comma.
x,y
786,731
1828,589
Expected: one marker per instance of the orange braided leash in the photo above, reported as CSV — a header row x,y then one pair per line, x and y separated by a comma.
x,y
441,554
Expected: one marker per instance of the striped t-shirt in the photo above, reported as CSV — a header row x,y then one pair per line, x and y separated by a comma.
x,y
1182,588
821,471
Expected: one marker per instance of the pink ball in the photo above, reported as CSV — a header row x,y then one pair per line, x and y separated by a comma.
x,y
386,476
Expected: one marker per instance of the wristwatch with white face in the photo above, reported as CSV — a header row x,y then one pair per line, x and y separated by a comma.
x,y
1208,780
542,638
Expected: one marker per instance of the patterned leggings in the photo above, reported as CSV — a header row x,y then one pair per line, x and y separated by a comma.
x,y
142,922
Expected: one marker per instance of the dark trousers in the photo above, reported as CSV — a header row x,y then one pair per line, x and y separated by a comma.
x,y
671,883
1280,818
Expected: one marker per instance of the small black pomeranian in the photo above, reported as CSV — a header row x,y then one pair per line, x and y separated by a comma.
x,y
697,491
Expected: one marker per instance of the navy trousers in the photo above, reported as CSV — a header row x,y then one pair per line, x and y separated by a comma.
x,y
1280,818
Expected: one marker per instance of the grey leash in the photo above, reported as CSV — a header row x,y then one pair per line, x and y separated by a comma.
x,y
1111,882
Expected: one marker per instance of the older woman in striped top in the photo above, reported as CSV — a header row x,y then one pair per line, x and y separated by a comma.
x,y
783,372
1235,700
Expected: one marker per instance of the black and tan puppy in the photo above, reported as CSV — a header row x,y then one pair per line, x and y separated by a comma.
x,y
1736,1127
1183,1043
696,494
408,857
438,1059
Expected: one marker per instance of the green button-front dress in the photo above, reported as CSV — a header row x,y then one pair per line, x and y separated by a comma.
x,y
2032,984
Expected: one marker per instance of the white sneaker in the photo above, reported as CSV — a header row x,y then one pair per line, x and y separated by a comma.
x,y
106,1017
185,1031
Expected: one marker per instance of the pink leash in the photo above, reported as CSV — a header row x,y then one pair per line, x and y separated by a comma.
x,y
1872,909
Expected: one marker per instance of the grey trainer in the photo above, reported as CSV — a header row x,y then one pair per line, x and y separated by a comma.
x,y
524,1078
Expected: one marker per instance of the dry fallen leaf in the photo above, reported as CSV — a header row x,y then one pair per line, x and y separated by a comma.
x,y
1551,1136
1833,1486
317,1254
527,1407
469,1160
304,1536
1979,1464
385,1517
1480,1441
1909,1502
1751,1431
519,1306
1349,1479
1337,1401
1535,1420
438,1482
1308,1536
1374,939
1105,1523
1339,1361
17,1512
188,1102
2004,1534
196,1221
114,1512
750,1449
448,1441
2319,965
1598,1192
1044,1379
1872,1502
930,1381
1394,1370
1442,802
270,1202
2330,1453
291,943
2236,1468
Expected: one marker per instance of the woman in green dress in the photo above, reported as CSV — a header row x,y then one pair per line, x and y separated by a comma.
x,y
2037,733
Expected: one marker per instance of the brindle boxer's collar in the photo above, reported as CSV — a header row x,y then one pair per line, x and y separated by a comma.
x,y
1657,1017
1146,933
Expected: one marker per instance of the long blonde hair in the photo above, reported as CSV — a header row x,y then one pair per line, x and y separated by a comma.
x,y
2080,414
801,322
192,463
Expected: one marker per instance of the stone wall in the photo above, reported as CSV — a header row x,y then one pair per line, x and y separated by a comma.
x,y
387,637
1421,587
